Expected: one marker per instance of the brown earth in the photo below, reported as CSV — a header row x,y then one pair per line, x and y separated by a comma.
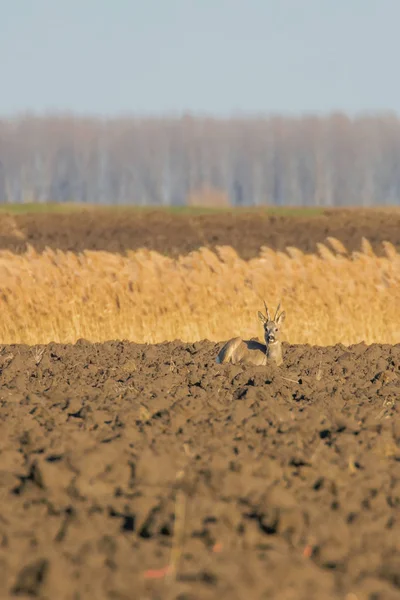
x,y
284,482
174,234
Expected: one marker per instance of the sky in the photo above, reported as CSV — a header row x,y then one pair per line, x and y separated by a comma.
x,y
219,57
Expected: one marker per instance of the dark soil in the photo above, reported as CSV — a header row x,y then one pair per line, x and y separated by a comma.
x,y
285,481
171,234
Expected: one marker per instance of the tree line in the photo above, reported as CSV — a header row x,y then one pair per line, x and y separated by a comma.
x,y
333,160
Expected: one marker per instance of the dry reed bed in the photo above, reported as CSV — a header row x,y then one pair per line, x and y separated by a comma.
x,y
329,297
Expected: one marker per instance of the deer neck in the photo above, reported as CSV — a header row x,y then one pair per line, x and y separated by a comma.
x,y
274,351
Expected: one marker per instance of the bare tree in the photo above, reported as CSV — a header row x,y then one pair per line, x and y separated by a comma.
x,y
332,160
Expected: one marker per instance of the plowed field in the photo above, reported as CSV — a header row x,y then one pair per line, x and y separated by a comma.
x,y
174,234
119,461
132,471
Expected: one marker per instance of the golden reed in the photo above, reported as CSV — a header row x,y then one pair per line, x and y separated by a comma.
x,y
329,297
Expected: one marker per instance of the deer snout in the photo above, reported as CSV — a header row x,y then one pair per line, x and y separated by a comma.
x,y
270,336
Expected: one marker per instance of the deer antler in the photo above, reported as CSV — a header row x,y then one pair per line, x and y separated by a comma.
x,y
266,311
277,310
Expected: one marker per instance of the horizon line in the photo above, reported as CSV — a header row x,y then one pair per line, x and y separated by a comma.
x,y
196,114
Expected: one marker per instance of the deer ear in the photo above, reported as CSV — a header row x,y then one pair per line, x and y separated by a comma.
x,y
281,318
261,317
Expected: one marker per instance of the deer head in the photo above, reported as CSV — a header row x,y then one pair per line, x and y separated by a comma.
x,y
272,327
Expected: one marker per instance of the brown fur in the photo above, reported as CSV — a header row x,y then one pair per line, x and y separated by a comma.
x,y
252,351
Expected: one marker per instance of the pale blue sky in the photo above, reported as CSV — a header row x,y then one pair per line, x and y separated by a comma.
x,y
215,56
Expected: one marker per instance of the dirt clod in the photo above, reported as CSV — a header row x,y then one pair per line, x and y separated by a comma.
x,y
195,481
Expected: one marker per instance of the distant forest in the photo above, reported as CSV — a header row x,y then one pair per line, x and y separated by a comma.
x,y
310,161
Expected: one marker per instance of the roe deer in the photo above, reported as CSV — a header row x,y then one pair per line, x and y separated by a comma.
x,y
253,351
